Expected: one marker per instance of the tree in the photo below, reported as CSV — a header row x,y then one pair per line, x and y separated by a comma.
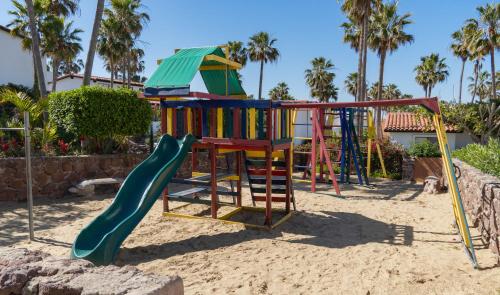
x,y
61,43
320,79
109,46
130,21
70,66
489,21
431,70
387,35
237,52
359,11
280,92
350,84
261,49
37,57
476,45
459,49
481,85
93,42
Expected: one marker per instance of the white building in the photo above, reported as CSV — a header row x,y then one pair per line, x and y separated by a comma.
x,y
72,81
16,64
407,128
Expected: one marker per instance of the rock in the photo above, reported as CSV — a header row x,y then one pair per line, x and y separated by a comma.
x,y
33,272
432,185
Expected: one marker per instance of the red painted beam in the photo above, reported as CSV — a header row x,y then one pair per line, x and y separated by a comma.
x,y
429,103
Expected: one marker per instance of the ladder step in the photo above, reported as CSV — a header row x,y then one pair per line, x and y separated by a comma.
x,y
274,190
273,199
264,181
187,192
264,172
262,163
307,153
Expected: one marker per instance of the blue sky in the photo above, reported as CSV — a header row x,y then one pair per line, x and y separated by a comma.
x,y
304,29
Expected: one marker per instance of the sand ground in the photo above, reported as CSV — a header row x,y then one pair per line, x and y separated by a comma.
x,y
390,239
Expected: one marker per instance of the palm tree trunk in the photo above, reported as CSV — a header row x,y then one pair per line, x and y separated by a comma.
x,y
93,42
55,66
365,56
493,78
360,69
430,90
260,78
35,46
128,69
124,72
112,68
461,81
476,75
378,122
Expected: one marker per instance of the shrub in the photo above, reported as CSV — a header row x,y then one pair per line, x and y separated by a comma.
x,y
424,149
392,154
484,157
99,114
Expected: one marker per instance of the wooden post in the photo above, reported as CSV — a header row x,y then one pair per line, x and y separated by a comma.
x,y
288,181
237,123
163,129
213,122
313,150
213,179
174,123
321,155
238,183
269,181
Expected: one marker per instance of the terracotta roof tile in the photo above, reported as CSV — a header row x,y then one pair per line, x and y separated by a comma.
x,y
410,122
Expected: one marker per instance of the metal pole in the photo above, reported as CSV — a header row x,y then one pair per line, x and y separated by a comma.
x,y
29,184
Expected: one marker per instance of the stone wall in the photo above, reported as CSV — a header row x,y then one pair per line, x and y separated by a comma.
x,y
34,272
53,176
481,198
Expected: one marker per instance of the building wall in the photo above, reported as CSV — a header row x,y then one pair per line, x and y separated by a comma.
x,y
76,82
16,64
455,140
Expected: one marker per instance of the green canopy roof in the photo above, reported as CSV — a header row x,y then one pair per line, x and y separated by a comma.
x,y
177,72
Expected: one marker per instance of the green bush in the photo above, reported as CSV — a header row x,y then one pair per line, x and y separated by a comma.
x,y
424,149
99,113
392,154
484,157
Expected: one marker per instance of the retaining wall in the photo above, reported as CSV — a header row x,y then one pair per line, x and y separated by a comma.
x,y
481,198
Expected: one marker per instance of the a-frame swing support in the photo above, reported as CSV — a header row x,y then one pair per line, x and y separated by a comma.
x,y
432,105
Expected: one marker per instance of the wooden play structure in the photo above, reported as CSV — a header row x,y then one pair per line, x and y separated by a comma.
x,y
257,135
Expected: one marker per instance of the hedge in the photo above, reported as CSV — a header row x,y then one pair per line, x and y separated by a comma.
x,y
100,113
484,157
424,149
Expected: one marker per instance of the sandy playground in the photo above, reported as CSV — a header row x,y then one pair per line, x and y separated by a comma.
x,y
389,240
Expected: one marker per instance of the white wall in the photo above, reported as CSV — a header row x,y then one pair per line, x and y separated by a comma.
x,y
455,140
76,82
16,64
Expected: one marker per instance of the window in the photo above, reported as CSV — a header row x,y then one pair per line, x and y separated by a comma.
x,y
420,138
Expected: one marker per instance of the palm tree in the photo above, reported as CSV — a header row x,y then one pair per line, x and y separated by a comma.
x,y
482,86
70,66
459,49
261,49
37,57
320,79
130,20
387,35
63,8
280,92
391,91
476,45
237,52
109,46
431,70
350,84
489,20
359,11
61,42
93,42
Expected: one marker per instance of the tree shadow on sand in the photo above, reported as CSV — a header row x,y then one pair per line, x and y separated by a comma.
x,y
324,229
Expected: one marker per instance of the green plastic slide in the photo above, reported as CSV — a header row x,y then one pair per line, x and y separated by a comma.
x,y
100,241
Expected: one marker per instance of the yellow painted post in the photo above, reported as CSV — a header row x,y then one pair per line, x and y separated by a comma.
x,y
189,118
278,123
252,123
369,156
220,123
382,164
458,209
169,121
293,117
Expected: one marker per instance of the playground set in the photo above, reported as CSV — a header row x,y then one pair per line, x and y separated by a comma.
x,y
256,135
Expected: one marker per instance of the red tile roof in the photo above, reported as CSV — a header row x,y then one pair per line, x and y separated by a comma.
x,y
411,122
